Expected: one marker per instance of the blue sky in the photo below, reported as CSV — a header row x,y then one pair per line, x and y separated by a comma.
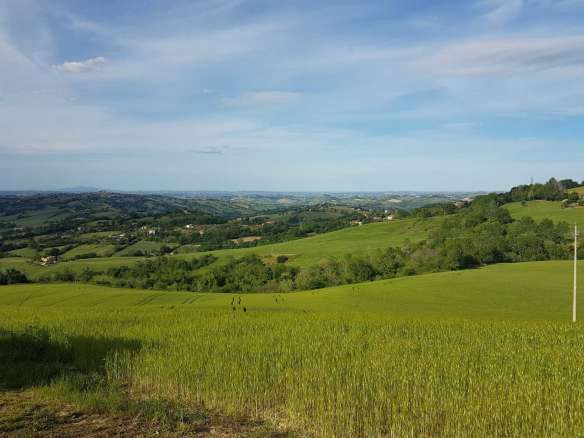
x,y
296,95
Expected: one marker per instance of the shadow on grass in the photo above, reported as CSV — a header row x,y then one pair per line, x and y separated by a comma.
x,y
86,371
90,372
31,357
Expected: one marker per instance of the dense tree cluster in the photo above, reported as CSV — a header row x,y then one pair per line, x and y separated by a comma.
x,y
486,234
155,273
12,276
553,190
432,210
570,184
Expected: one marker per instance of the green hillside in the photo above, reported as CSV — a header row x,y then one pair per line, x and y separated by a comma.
x,y
143,246
36,217
539,210
579,190
301,252
358,239
99,250
24,252
526,291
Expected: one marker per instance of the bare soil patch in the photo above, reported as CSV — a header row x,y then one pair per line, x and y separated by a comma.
x,y
25,414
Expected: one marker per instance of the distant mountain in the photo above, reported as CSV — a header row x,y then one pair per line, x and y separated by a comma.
x,y
80,189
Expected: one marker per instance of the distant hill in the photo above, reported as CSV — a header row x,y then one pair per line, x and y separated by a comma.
x,y
40,208
80,189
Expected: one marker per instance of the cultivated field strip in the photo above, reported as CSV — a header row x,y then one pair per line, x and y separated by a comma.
x,y
486,352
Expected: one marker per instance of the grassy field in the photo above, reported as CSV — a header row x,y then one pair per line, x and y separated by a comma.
x,y
98,235
187,249
354,240
493,292
421,356
539,210
101,250
146,246
24,252
22,264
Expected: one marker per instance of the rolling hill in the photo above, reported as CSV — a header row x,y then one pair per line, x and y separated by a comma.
x,y
539,210
359,239
301,252
523,291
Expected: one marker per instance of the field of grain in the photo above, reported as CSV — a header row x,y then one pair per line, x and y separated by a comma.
x,y
427,355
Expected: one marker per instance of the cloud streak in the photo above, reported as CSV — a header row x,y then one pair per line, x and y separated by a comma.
x,y
209,150
89,65
505,56
502,11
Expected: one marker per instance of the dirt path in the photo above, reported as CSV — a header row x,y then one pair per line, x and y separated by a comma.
x,y
22,414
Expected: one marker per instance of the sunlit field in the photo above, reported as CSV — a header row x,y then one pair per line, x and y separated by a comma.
x,y
487,352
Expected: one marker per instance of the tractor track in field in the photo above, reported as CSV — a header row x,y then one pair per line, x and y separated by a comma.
x,y
64,300
147,300
25,299
191,300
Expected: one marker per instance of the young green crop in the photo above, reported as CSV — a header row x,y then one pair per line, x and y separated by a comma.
x,y
474,353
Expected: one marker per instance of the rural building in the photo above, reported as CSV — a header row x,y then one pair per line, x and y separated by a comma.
x,y
48,260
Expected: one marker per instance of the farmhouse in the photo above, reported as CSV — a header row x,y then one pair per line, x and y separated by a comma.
x,y
48,260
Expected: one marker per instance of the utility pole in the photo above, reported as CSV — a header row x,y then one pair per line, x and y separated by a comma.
x,y
575,272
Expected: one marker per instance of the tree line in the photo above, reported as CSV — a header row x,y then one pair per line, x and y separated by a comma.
x,y
552,190
12,276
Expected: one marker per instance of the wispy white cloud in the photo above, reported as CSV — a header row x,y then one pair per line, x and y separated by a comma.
x,y
89,65
366,101
210,150
501,12
505,56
